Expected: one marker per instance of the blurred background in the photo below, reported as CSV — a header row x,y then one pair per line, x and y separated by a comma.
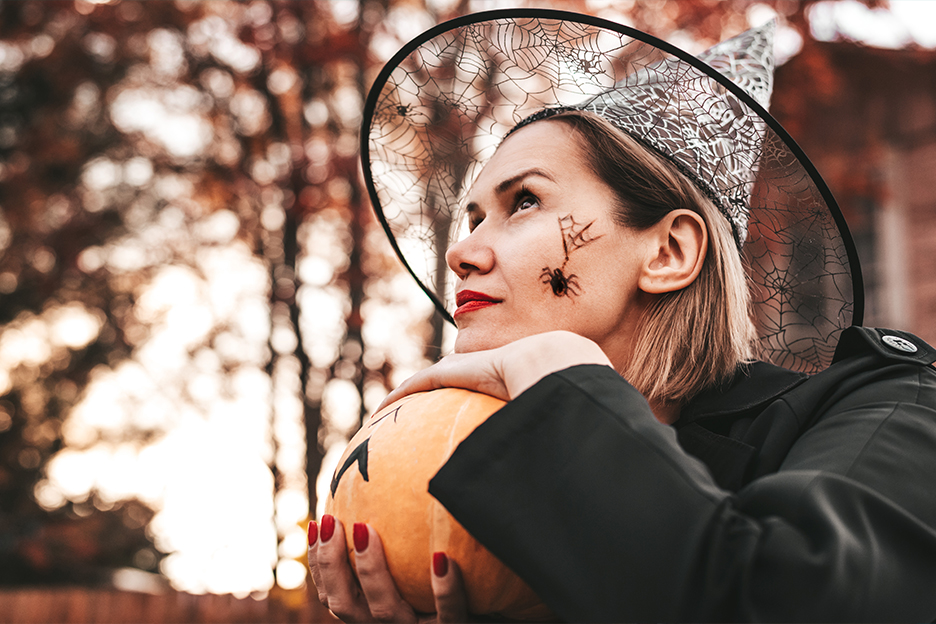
x,y
197,307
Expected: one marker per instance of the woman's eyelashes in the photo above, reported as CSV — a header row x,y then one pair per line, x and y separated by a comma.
x,y
525,200
475,217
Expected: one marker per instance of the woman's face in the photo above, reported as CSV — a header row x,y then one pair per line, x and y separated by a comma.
x,y
544,252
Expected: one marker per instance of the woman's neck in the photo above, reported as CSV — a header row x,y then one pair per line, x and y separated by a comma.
x,y
666,413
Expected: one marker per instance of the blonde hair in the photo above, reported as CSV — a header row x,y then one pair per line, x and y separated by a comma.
x,y
690,339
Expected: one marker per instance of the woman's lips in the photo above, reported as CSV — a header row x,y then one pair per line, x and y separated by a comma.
x,y
469,301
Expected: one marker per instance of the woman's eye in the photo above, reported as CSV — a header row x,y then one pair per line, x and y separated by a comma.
x,y
475,217
526,201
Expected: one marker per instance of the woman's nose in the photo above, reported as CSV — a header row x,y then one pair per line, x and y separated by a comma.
x,y
470,254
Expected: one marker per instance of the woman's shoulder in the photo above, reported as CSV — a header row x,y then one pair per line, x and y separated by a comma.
x,y
887,344
862,355
767,416
872,367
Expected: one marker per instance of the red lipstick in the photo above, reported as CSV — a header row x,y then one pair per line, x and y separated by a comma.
x,y
469,301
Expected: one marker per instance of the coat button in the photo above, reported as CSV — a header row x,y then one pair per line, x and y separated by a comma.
x,y
900,344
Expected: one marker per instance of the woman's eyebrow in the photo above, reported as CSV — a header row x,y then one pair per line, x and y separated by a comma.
x,y
509,182
503,186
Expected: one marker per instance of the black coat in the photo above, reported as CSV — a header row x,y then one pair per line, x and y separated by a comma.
x,y
780,497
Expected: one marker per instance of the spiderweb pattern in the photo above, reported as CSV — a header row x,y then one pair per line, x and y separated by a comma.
x,y
703,128
447,103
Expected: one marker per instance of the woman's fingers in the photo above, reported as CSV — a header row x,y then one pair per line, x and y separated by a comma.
x,y
331,571
476,371
313,563
375,598
383,599
448,589
504,372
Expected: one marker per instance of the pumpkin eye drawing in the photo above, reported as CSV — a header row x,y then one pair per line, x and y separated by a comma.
x,y
359,454
382,479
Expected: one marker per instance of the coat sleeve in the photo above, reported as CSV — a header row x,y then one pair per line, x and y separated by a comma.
x,y
579,489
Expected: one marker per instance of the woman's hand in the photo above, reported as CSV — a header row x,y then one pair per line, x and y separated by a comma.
x,y
507,371
373,596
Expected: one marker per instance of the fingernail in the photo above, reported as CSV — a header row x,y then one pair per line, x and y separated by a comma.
x,y
328,527
439,564
313,533
361,536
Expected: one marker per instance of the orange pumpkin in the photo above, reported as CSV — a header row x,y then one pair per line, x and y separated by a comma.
x,y
383,479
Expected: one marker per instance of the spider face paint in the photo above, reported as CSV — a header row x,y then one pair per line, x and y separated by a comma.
x,y
574,237
561,284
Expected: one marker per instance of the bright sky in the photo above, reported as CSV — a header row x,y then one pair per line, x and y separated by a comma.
x,y
907,21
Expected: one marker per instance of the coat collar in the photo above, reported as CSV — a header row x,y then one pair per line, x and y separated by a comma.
x,y
753,385
758,383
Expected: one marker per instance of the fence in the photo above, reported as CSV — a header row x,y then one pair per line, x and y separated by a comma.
x,y
84,605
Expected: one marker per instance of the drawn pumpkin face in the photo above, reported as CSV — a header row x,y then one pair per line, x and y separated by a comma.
x,y
383,479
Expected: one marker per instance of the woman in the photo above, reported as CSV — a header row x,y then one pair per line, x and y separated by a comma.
x,y
645,467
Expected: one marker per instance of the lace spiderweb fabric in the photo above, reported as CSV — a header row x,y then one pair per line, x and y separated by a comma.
x,y
440,108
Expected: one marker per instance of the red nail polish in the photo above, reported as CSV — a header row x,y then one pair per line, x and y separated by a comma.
x,y
439,564
313,533
361,536
328,527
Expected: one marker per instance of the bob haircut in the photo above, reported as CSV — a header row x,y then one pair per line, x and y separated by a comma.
x,y
690,339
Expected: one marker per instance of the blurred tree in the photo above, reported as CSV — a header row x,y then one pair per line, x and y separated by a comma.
x,y
152,157
183,229
60,322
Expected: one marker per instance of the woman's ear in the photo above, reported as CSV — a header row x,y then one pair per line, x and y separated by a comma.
x,y
676,251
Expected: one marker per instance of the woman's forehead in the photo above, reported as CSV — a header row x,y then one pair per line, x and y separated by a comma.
x,y
549,146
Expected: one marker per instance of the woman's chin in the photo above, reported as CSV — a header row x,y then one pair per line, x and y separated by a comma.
x,y
473,339
467,341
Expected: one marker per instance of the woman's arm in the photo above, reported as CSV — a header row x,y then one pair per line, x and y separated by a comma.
x,y
586,496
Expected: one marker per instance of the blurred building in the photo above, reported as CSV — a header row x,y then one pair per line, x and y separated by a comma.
x,y
867,119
